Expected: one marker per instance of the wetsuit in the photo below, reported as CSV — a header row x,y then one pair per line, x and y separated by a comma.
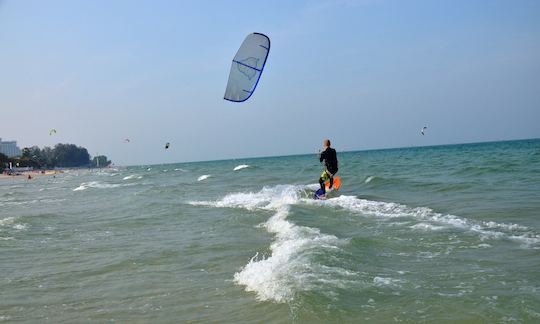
x,y
329,157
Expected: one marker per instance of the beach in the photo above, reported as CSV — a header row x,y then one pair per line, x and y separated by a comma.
x,y
424,234
33,174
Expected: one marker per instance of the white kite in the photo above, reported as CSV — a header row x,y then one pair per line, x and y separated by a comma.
x,y
247,66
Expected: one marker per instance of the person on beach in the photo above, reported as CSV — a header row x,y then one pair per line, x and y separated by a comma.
x,y
329,157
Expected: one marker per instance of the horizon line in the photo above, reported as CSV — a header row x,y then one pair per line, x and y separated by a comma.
x,y
347,151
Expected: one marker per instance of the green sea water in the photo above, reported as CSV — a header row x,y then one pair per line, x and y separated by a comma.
x,y
431,234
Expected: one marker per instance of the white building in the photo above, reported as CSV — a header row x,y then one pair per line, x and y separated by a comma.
x,y
10,148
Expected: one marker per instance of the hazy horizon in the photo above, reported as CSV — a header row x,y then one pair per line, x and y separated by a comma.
x,y
339,151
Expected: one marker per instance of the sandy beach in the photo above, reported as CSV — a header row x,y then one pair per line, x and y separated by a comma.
x,y
33,174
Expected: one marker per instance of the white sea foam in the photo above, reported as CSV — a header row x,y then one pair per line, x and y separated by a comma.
x,y
7,221
426,227
204,177
267,198
290,267
179,169
431,220
19,226
132,176
240,167
280,275
368,179
10,222
96,184
381,281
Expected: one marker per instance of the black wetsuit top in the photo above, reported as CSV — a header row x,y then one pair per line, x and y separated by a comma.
x,y
329,157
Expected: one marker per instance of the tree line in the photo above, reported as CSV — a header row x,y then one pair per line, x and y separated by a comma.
x,y
62,155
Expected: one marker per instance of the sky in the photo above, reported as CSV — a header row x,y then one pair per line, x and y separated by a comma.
x,y
367,74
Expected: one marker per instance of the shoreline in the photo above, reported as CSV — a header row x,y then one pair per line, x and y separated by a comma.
x,y
33,174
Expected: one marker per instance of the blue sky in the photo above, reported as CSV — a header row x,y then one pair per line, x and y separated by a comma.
x,y
367,74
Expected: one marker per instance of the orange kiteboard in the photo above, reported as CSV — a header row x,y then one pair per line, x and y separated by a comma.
x,y
336,184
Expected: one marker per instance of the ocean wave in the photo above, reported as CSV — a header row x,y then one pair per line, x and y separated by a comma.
x,y
240,167
132,176
29,202
290,268
377,181
451,187
10,222
47,188
431,220
369,179
426,227
389,282
7,221
267,198
98,185
204,177
279,276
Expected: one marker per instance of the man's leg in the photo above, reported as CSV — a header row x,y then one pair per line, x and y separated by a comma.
x,y
322,179
321,182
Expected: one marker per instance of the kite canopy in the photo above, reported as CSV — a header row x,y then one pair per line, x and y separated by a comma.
x,y
167,145
247,67
52,131
424,129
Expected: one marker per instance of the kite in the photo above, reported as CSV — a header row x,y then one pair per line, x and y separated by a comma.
x,y
247,66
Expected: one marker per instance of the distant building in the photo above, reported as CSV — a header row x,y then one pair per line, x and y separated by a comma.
x,y
10,148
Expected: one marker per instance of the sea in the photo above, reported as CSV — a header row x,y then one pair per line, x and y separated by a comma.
x,y
438,234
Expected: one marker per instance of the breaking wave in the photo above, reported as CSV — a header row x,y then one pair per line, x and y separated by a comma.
x,y
204,177
290,268
98,185
429,220
240,167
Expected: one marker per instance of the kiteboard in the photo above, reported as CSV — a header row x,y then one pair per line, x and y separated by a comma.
x,y
336,185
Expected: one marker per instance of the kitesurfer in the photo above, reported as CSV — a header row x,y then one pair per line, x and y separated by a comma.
x,y
329,157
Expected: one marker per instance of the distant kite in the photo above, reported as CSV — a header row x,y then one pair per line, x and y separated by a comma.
x,y
247,66
423,131
167,145
52,131
127,140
